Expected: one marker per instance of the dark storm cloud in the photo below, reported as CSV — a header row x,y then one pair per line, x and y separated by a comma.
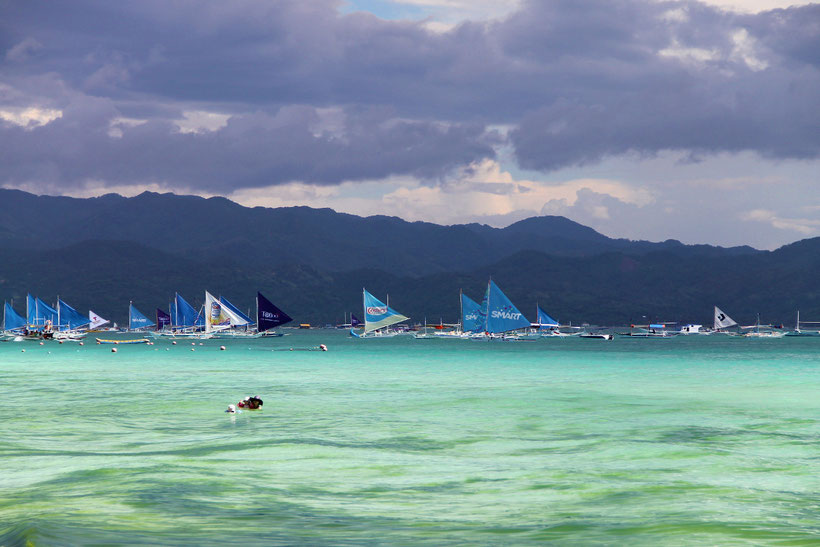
x,y
577,80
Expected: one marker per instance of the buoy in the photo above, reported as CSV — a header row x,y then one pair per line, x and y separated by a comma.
x,y
174,342
82,343
193,343
322,347
61,341
167,349
113,350
192,349
41,343
201,343
22,350
222,348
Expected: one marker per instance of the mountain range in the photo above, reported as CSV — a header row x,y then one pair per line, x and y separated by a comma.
x,y
102,252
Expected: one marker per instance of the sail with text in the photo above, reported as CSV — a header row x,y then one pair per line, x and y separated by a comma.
x,y
245,320
95,321
472,316
218,316
378,315
136,320
544,320
502,315
70,319
723,321
184,314
268,316
163,319
11,319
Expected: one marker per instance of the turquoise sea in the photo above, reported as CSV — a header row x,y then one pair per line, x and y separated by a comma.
x,y
692,440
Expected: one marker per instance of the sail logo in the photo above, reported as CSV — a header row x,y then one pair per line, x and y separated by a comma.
x,y
722,317
505,315
268,315
376,310
471,317
216,311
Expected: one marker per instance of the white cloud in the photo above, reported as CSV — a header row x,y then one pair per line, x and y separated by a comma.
x,y
30,116
198,121
806,227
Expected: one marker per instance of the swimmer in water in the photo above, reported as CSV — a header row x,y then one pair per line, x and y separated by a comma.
x,y
231,409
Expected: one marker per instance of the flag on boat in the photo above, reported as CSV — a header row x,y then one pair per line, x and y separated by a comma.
x,y
95,321
378,315
268,316
502,315
136,320
354,321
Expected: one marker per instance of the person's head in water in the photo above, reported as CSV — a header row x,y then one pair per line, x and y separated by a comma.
x,y
231,409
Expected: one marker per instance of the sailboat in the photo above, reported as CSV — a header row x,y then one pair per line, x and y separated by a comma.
x,y
14,324
69,322
95,321
220,319
723,322
799,332
268,317
501,316
186,322
136,320
471,321
377,317
767,331
40,318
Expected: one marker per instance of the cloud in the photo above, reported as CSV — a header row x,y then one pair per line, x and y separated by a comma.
x,y
244,97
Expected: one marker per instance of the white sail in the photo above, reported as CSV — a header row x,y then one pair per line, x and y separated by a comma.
x,y
219,317
96,320
722,320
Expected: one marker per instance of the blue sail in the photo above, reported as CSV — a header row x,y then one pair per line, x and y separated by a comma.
x,y
234,309
11,319
44,313
136,320
502,315
354,321
378,315
185,315
31,309
71,318
544,320
472,319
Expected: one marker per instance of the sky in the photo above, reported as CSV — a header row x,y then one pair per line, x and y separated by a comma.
x,y
696,121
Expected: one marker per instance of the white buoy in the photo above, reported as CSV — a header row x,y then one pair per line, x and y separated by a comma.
x,y
222,348
167,349
174,342
193,343
192,349
61,341
41,343
113,350
82,343
201,343
22,350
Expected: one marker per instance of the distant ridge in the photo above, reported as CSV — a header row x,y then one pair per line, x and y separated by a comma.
x,y
99,253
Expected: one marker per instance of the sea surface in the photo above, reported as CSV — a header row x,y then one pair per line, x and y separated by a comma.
x,y
694,440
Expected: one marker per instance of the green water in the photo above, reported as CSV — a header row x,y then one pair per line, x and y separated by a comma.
x,y
696,440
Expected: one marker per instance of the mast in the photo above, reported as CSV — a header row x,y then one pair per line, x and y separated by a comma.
x,y
130,305
364,309
461,310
